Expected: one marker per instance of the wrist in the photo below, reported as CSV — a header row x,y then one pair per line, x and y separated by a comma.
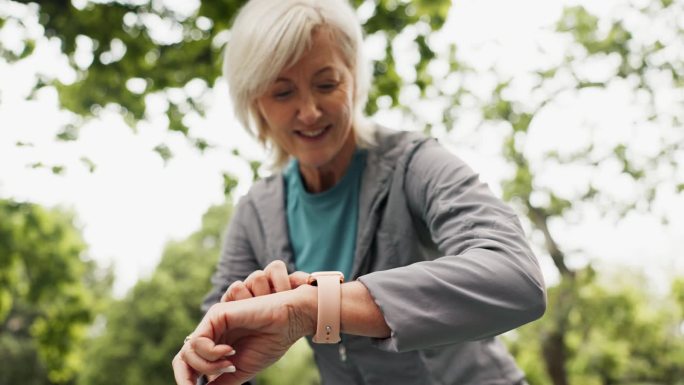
x,y
329,305
307,304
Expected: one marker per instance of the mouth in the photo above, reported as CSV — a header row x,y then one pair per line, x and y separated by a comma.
x,y
313,134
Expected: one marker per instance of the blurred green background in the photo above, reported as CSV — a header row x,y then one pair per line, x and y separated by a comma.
x,y
61,324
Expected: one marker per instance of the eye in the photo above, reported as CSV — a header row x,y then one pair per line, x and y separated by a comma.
x,y
327,86
282,94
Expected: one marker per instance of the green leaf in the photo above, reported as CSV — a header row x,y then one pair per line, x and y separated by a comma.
x,y
69,133
229,184
89,164
164,152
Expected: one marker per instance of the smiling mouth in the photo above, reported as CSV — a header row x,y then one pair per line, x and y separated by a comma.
x,y
313,134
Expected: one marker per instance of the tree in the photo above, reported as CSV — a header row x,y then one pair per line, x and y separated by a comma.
x,y
571,343
615,333
144,330
46,294
126,53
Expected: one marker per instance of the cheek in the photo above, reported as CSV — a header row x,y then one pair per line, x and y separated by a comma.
x,y
349,110
350,101
273,115
344,105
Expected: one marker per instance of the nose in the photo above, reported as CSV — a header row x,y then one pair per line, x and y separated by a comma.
x,y
308,112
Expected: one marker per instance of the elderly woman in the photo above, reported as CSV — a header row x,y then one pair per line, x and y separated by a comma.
x,y
435,265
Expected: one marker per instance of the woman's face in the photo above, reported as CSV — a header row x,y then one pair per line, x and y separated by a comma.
x,y
308,109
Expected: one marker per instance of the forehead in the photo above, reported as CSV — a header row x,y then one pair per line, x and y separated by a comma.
x,y
323,52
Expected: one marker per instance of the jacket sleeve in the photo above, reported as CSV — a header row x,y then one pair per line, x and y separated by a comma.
x,y
237,258
487,281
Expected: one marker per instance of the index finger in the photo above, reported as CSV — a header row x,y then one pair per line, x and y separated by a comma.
x,y
276,272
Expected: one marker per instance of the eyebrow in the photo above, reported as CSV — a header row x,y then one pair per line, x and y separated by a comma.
x,y
320,71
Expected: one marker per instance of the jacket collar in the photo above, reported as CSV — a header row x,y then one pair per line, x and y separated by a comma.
x,y
269,203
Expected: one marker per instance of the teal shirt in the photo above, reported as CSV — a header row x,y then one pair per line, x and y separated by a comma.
x,y
322,227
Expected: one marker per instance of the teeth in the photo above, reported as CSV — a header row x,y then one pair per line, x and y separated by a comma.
x,y
311,134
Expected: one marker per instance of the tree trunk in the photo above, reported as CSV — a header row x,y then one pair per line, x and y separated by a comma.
x,y
553,345
555,355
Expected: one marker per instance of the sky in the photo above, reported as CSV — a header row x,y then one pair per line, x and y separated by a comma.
x,y
132,204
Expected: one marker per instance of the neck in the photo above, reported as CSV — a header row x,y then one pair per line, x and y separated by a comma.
x,y
322,178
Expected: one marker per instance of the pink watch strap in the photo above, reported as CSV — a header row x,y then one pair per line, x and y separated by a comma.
x,y
328,321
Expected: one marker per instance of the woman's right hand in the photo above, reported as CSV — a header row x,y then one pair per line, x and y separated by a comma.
x,y
273,279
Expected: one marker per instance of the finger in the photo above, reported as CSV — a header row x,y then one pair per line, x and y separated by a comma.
x,y
257,283
182,372
298,278
236,291
201,365
208,349
229,368
237,378
276,272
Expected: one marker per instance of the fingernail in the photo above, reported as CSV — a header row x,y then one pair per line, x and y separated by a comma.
x,y
230,369
231,353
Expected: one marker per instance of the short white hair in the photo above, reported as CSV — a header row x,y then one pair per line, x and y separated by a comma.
x,y
271,35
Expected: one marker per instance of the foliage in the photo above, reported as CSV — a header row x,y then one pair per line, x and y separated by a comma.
x,y
591,334
47,294
296,367
615,333
125,52
145,330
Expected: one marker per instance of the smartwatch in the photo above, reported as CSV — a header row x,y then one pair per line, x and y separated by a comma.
x,y
329,295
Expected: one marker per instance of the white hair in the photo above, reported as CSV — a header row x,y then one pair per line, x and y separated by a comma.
x,y
271,35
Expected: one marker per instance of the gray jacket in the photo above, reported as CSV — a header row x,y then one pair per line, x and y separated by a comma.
x,y
445,260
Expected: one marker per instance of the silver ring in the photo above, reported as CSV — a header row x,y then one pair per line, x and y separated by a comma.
x,y
185,341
